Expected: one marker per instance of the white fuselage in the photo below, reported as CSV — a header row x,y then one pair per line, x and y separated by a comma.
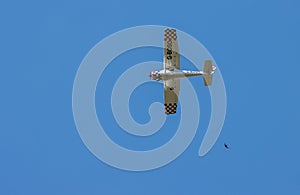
x,y
174,74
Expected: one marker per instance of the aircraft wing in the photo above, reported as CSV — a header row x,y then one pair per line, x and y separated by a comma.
x,y
171,53
171,92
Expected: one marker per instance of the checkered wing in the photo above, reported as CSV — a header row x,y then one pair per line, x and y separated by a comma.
x,y
171,92
171,53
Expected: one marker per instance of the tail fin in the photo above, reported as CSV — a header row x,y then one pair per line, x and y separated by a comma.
x,y
208,71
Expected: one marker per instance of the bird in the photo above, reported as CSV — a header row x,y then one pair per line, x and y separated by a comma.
x,y
226,146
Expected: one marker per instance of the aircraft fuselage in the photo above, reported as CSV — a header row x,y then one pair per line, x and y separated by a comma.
x,y
174,74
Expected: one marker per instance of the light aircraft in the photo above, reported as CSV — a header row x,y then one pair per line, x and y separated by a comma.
x,y
171,73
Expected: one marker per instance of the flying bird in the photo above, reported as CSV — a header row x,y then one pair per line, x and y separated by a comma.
x,y
226,146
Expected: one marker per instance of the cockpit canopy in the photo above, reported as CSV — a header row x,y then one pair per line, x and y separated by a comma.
x,y
155,75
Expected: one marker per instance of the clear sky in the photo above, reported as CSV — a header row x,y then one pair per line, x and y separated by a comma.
x,y
255,44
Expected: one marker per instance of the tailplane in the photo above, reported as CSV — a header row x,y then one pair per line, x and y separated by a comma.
x,y
208,71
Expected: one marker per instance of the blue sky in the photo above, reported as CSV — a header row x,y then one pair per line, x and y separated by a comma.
x,y
255,44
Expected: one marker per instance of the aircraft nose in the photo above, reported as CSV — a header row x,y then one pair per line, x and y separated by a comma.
x,y
150,74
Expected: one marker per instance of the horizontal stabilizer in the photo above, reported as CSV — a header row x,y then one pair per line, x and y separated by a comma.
x,y
207,79
208,71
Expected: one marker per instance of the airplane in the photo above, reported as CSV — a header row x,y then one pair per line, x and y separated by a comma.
x,y
171,74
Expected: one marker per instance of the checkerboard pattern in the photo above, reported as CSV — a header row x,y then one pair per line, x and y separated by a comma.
x,y
170,108
170,34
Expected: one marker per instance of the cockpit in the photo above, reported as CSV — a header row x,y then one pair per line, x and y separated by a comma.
x,y
155,75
